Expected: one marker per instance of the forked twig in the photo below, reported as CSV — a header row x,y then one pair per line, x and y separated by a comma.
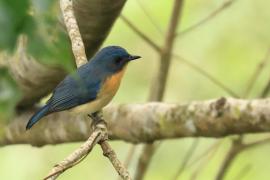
x,y
99,134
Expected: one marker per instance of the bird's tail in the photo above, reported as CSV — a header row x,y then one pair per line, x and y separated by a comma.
x,y
37,116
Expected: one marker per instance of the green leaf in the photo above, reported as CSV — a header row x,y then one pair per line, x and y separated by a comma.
x,y
14,20
9,94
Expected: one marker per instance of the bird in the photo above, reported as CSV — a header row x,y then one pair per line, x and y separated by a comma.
x,y
91,87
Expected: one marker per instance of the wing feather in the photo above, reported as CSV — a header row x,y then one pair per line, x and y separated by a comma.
x,y
72,92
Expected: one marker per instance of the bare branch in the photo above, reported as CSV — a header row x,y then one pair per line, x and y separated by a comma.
x,y
109,153
129,156
75,156
157,89
188,63
144,160
73,32
237,147
211,16
99,134
141,34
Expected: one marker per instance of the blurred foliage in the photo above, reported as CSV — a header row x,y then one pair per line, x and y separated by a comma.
x,y
14,20
9,94
47,41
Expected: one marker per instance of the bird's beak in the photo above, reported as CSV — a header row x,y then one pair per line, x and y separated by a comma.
x,y
131,57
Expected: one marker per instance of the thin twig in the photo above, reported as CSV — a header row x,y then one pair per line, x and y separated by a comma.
x,y
212,148
235,149
266,89
129,156
204,162
190,64
238,146
141,34
203,21
144,160
99,134
111,155
73,32
151,19
157,90
256,73
187,157
74,157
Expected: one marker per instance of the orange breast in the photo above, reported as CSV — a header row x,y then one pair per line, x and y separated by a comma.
x,y
111,84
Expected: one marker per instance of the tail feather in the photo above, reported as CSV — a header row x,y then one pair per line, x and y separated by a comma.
x,y
37,116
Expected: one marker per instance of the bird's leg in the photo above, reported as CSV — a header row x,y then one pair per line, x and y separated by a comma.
x,y
97,118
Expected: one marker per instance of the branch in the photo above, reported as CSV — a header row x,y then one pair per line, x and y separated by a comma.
x,y
73,32
149,122
185,61
99,134
211,16
77,155
237,146
158,87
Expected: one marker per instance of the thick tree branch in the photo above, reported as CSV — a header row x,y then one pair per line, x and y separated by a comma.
x,y
148,122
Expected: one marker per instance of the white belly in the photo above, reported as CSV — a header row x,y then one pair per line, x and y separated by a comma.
x,y
105,95
92,106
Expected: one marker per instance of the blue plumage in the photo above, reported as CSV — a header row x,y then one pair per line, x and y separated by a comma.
x,y
84,85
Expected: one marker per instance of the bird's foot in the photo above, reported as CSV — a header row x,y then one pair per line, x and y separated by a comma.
x,y
97,120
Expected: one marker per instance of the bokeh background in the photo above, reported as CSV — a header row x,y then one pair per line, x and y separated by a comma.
x,y
229,47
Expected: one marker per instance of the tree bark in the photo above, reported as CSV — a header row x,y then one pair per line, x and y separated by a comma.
x,y
148,122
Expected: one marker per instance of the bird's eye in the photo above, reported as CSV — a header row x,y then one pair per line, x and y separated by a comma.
x,y
117,60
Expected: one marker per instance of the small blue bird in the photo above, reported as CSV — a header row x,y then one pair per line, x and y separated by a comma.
x,y
91,87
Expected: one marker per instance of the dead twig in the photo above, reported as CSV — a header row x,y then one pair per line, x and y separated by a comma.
x,y
77,155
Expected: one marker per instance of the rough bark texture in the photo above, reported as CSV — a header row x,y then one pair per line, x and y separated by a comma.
x,y
73,32
148,122
95,19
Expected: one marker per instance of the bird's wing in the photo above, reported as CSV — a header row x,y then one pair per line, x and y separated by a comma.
x,y
72,92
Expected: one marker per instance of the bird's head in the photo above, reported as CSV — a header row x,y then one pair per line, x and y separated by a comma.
x,y
113,58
